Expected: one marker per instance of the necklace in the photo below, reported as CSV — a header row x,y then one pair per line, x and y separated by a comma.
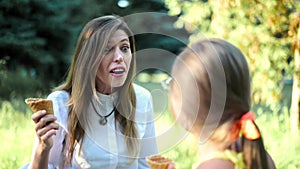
x,y
103,119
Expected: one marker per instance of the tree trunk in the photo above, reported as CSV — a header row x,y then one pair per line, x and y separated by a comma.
x,y
294,110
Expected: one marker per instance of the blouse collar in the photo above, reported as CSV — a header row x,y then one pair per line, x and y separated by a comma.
x,y
111,98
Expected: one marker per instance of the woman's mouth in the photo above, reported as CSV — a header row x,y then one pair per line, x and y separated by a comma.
x,y
117,72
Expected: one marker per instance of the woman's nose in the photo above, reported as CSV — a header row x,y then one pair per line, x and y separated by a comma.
x,y
118,56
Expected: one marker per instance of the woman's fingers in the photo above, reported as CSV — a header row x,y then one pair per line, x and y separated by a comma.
x,y
48,135
45,125
46,129
38,115
44,121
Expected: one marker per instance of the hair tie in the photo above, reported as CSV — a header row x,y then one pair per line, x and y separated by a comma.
x,y
248,128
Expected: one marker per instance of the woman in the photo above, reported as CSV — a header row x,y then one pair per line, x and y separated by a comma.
x,y
210,97
101,119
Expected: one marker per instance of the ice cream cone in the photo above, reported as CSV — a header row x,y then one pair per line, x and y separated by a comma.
x,y
158,162
37,104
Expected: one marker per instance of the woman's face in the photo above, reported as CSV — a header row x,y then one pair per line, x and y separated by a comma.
x,y
115,64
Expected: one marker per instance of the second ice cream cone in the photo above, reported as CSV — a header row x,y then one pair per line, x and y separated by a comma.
x,y
158,162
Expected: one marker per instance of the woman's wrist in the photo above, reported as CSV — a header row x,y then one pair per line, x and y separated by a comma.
x,y
41,156
43,148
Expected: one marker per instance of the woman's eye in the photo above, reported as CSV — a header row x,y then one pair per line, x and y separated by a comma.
x,y
125,48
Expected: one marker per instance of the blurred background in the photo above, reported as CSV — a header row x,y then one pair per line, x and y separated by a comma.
x,y
37,39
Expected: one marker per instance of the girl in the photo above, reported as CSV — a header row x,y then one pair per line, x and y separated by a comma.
x,y
210,97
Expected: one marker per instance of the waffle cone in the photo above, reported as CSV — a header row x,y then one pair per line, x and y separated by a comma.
x,y
37,104
158,162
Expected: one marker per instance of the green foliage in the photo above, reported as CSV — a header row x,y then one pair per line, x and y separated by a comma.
x,y
185,154
36,35
17,133
281,145
18,84
3,70
259,28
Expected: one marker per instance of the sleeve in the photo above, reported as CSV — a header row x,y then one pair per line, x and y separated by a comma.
x,y
60,99
148,142
60,111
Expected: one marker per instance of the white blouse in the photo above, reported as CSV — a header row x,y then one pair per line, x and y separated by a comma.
x,y
104,145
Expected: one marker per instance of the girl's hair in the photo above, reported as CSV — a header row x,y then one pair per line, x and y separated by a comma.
x,y
199,64
81,82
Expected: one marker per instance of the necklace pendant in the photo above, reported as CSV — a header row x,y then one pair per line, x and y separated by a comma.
x,y
103,121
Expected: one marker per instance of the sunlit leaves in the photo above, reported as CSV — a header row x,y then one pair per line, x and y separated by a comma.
x,y
258,28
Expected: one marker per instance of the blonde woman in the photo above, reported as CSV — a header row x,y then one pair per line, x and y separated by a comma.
x,y
101,119
210,97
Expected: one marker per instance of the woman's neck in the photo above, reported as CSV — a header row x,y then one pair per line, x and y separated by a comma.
x,y
106,91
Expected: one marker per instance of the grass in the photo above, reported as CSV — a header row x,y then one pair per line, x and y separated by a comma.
x,y
274,125
17,133
283,147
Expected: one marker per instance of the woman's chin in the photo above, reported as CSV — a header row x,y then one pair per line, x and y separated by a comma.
x,y
117,84
118,81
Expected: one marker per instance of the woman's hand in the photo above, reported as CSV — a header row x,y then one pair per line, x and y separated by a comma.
x,y
45,128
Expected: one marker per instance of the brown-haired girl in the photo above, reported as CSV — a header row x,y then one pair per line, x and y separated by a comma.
x,y
101,119
210,97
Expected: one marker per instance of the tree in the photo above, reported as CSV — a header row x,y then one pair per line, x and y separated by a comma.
x,y
259,28
35,37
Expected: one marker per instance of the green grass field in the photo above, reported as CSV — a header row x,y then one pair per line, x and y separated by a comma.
x,y
17,136
16,133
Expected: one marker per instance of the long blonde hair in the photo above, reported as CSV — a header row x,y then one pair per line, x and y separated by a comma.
x,y
198,63
80,83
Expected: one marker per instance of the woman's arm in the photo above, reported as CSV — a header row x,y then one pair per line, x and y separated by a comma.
x,y
49,143
45,128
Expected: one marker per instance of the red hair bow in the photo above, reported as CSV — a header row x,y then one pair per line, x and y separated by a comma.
x,y
248,127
